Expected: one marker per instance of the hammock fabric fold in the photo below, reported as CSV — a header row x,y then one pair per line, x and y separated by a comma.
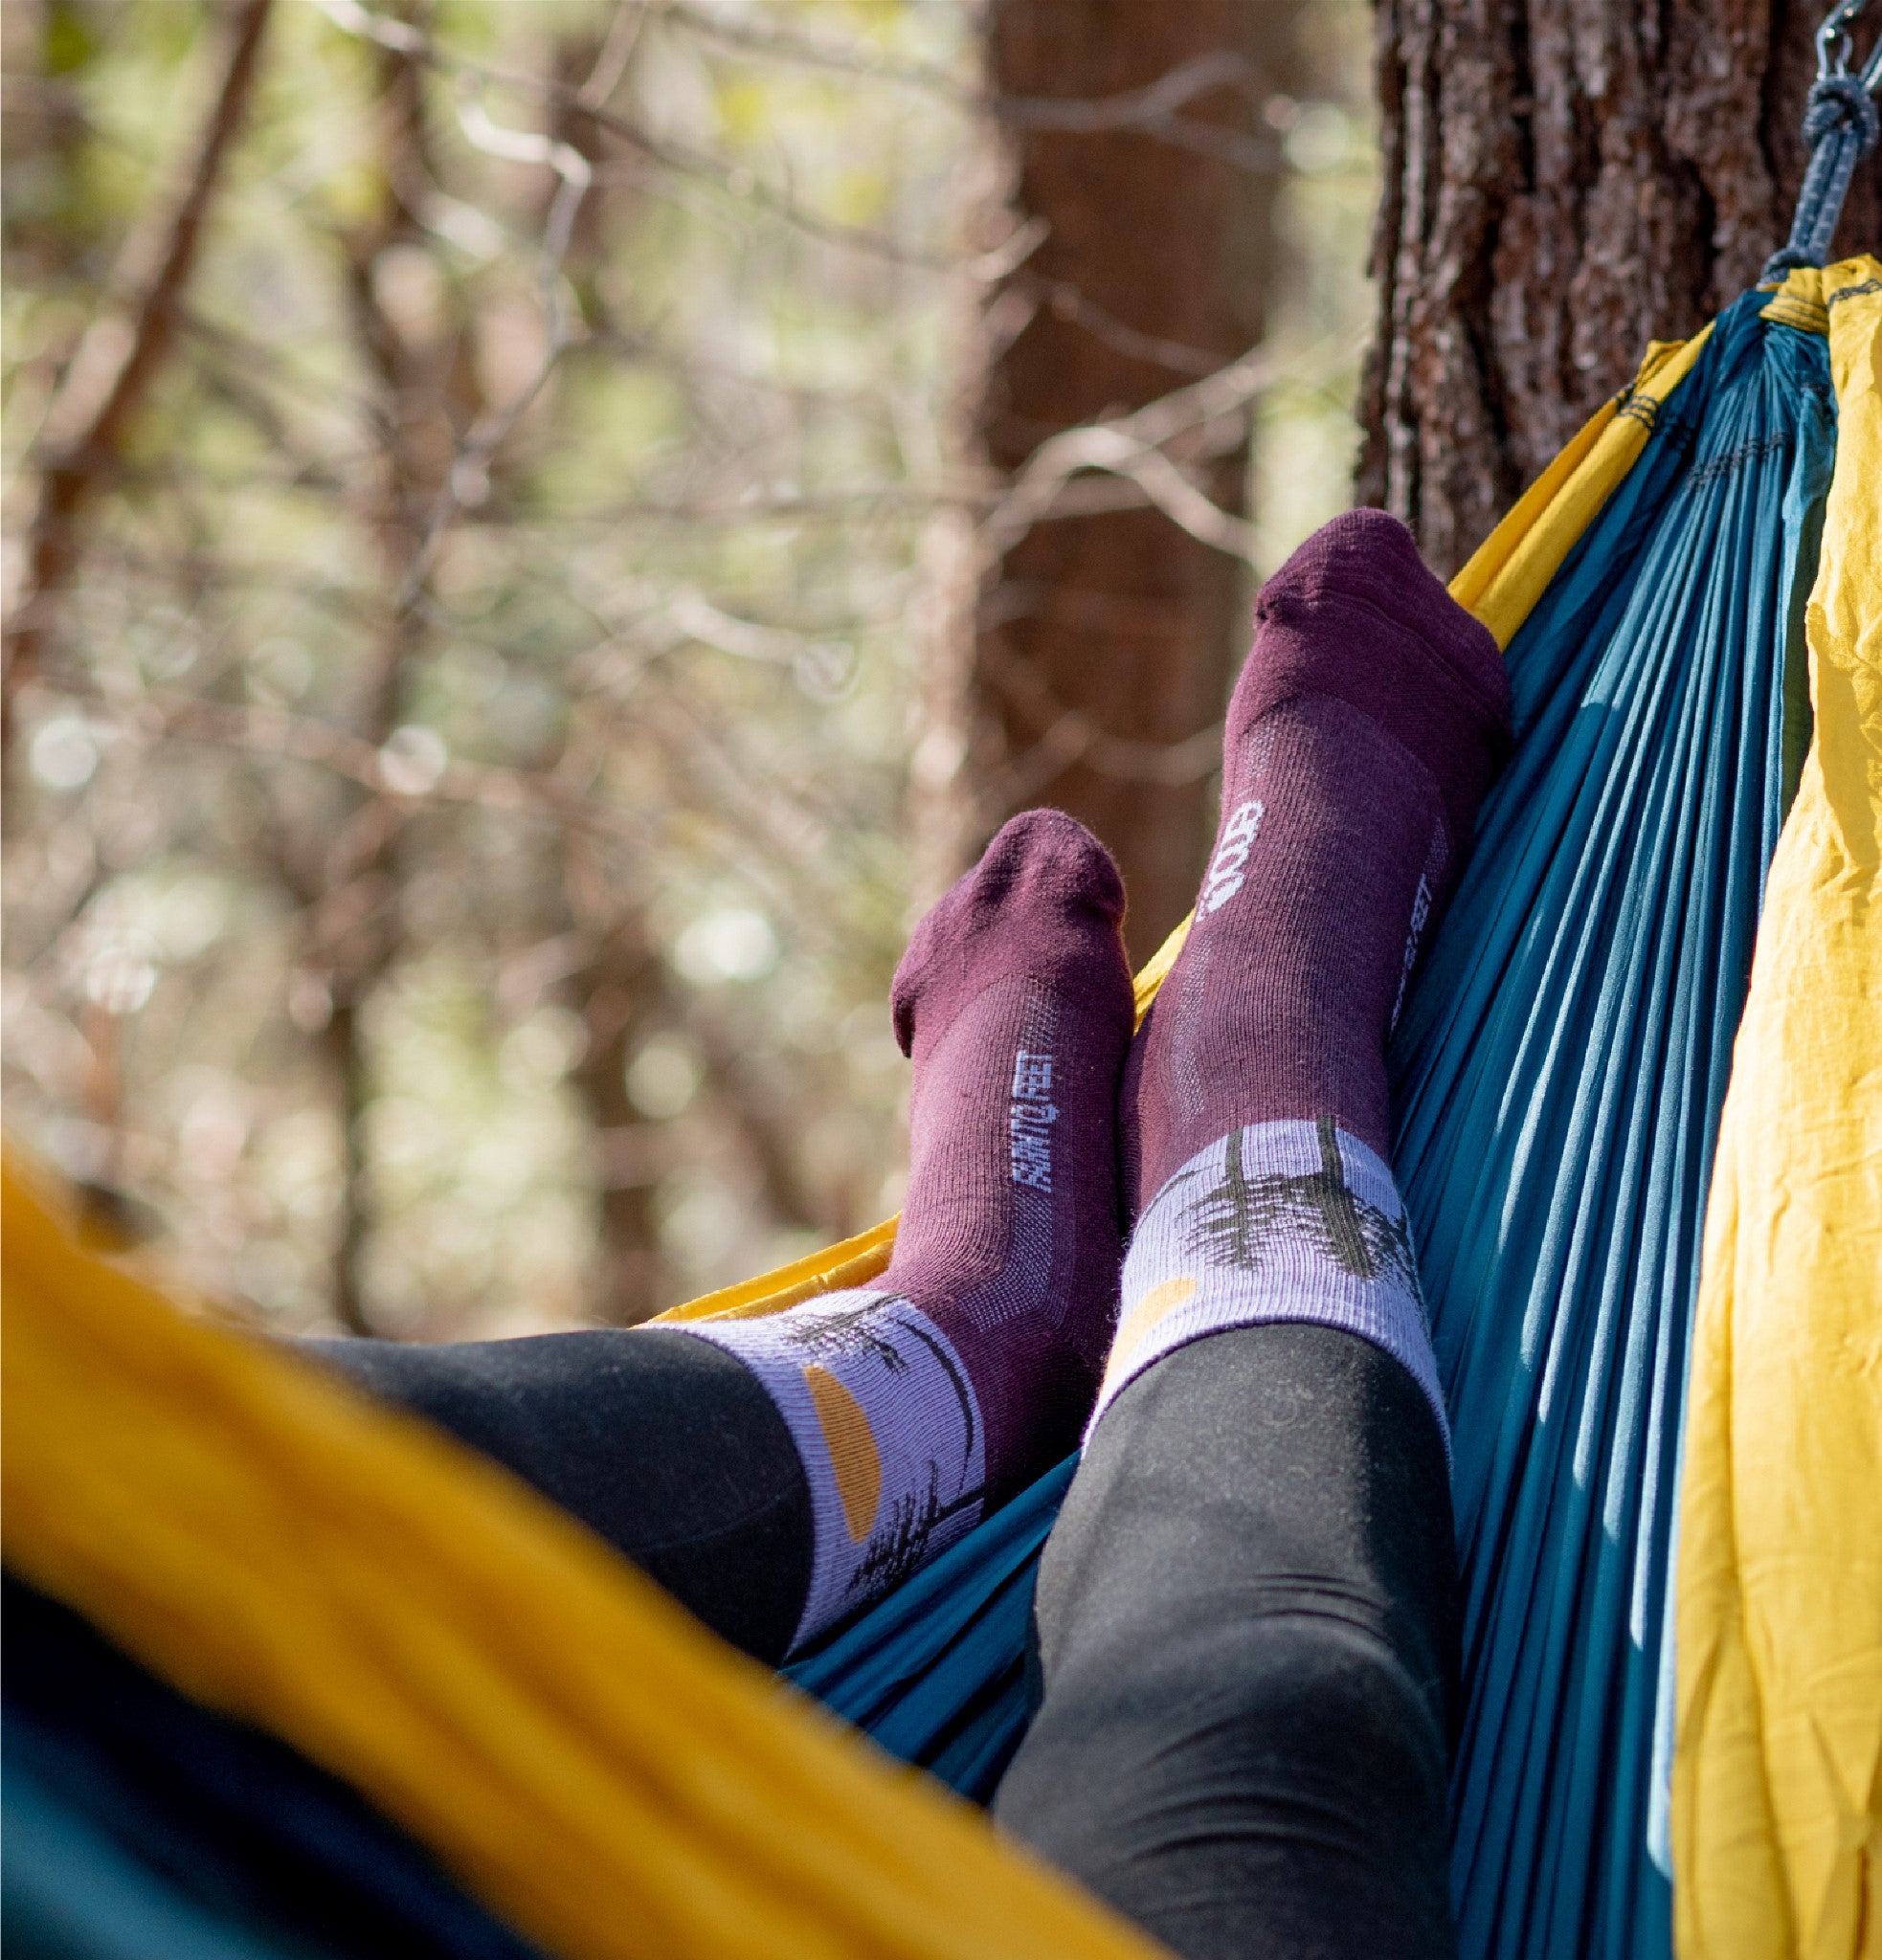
x,y
605,1778
1558,1077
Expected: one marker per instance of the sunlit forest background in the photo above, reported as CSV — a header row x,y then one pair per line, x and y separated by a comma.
x,y
459,827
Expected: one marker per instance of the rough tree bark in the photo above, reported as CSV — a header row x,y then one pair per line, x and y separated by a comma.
x,y
1154,216
1561,184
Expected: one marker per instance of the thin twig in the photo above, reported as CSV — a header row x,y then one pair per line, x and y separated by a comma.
x,y
682,159
1150,110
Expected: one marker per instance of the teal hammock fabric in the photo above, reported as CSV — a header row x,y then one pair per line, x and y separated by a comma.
x,y
1559,1072
72,1892
936,1673
1559,1078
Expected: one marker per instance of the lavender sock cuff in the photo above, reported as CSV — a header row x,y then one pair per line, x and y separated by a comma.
x,y
1279,1221
887,1423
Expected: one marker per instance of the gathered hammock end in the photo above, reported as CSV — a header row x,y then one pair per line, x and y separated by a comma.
x,y
1841,126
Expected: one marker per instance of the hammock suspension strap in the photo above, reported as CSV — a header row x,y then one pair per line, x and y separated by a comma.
x,y
1841,127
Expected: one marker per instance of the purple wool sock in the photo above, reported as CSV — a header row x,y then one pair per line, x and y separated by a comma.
x,y
921,1403
1368,721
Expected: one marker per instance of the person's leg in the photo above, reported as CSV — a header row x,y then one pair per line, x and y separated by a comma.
x,y
1246,1618
921,1403
777,1474
665,1447
1247,1611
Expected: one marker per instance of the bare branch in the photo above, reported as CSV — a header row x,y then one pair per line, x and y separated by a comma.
x,y
468,478
120,357
276,735
1150,110
733,180
1134,108
1131,446
1068,303
623,36
780,44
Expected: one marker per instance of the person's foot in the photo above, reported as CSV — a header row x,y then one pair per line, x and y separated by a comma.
x,y
1368,721
921,1403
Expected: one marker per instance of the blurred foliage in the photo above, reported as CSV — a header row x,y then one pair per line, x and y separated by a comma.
x,y
548,703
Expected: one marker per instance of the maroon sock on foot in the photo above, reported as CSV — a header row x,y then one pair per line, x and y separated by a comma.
x,y
1369,719
1013,1002
922,1402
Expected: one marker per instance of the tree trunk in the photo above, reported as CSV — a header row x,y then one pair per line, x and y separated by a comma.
x,y
347,1057
411,386
1561,184
1102,642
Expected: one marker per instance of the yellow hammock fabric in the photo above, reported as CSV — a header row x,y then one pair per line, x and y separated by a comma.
x,y
1777,1763
609,1777
613,1781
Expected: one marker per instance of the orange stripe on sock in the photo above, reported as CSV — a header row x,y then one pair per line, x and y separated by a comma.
x,y
854,1456
1145,1315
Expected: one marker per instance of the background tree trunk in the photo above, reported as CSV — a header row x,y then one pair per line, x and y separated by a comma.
x,y
418,377
1561,184
619,995
1099,642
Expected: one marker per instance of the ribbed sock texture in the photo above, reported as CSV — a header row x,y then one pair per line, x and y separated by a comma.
x,y
921,1403
1369,719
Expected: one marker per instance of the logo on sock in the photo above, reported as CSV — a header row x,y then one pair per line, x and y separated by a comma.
x,y
1224,878
1420,912
1030,1118
1435,860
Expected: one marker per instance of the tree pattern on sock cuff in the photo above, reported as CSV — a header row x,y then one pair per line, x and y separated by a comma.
x,y
1277,1221
889,1428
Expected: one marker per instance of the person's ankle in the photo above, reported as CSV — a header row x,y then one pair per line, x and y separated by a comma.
x,y
1356,747
1363,733
922,1402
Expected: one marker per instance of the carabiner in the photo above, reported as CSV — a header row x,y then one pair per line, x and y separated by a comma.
x,y
1834,45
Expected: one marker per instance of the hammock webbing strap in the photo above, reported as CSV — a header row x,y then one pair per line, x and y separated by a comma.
x,y
1841,127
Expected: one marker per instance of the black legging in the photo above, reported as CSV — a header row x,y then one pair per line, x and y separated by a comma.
x,y
1247,1613
1247,1623
666,1447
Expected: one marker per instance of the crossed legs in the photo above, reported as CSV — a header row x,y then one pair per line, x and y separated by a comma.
x,y
1246,1614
